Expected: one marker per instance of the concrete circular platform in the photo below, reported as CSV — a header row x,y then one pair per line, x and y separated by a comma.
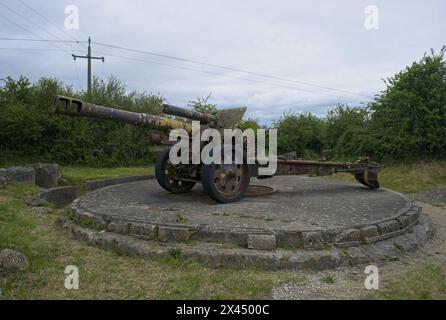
x,y
304,212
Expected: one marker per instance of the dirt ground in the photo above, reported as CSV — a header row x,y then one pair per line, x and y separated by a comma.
x,y
405,278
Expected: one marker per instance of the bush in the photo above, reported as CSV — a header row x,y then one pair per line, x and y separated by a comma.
x,y
347,129
405,122
29,128
303,133
408,120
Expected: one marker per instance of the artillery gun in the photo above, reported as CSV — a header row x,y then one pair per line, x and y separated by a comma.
x,y
222,182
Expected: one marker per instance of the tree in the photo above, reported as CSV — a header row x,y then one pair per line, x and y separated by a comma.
x,y
29,128
408,119
249,123
347,129
203,105
302,133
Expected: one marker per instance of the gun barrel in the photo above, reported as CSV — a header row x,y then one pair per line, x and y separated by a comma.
x,y
78,108
204,118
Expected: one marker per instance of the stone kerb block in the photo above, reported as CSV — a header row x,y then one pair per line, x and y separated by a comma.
x,y
262,241
23,175
47,175
59,196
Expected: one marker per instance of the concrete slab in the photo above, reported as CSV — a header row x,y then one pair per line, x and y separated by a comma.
x,y
310,213
435,197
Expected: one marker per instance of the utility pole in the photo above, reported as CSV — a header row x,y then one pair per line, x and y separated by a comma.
x,y
89,57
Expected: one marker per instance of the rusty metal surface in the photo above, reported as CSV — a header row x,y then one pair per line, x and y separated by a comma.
x,y
229,178
204,118
230,118
364,171
255,190
75,107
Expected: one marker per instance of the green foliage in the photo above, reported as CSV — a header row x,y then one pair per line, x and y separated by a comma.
x,y
408,120
347,128
405,122
203,105
303,133
328,279
250,123
30,129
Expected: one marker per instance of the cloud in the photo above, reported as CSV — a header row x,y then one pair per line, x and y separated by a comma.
x,y
319,42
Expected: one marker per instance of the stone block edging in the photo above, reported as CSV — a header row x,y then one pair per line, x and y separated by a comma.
x,y
92,185
310,240
215,255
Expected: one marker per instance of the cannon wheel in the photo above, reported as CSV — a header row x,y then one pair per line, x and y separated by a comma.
x,y
225,183
165,175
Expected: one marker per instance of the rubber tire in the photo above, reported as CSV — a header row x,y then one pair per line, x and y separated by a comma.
x,y
161,175
207,181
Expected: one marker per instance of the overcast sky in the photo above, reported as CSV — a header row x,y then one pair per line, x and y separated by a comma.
x,y
324,43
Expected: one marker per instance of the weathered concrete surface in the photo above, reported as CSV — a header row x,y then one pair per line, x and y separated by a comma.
x,y
47,174
44,175
262,241
218,255
97,184
23,175
307,213
436,197
59,196
35,201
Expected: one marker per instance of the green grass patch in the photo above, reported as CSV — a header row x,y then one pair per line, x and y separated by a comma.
x,y
328,279
424,283
408,178
107,274
180,218
78,175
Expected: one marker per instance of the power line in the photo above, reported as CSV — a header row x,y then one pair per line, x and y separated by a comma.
x,y
229,68
25,29
79,79
89,57
212,73
29,20
37,49
177,58
19,26
49,21
172,66
37,40
192,69
46,19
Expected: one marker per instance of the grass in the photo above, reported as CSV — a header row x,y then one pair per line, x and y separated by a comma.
x,y
108,275
423,283
105,274
328,279
74,175
409,178
405,178
77,175
180,218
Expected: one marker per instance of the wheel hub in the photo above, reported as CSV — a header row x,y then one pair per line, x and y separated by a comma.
x,y
228,178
